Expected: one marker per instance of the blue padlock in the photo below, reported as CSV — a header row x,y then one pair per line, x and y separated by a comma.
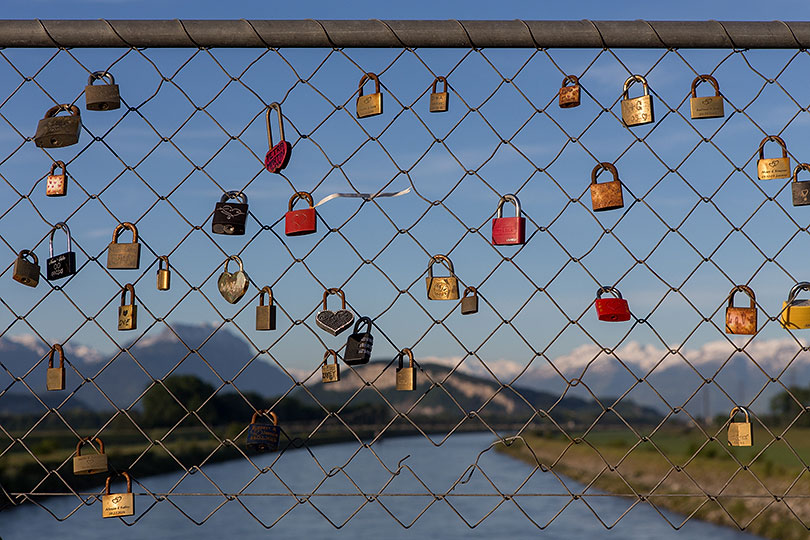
x,y
263,436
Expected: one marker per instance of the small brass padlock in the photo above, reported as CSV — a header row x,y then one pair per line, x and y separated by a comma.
x,y
569,95
124,256
439,101
469,304
801,190
441,288
334,322
709,106
62,265
127,313
26,272
104,97
371,104
279,154
739,433
796,313
608,195
56,185
637,111
93,463
58,131
330,372
741,320
233,287
164,276
406,376
773,168
118,504
266,315
55,379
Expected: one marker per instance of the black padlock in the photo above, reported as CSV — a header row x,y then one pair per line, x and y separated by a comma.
x,y
230,218
469,304
103,97
801,190
358,346
263,436
64,265
58,131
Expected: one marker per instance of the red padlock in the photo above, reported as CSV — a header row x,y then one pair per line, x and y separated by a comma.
x,y
611,309
298,222
279,155
508,230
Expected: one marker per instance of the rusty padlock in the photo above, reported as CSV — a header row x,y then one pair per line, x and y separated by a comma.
x,y
441,288
801,190
300,222
58,131
279,154
103,97
439,101
508,230
26,272
371,104
90,463
569,95
637,111
55,378
611,309
773,168
741,320
608,195
124,256
56,184
709,106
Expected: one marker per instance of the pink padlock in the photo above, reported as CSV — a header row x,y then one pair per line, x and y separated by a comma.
x,y
508,230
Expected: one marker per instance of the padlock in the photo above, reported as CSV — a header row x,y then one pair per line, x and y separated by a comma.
x,y
279,154
469,304
233,287
739,433
266,315
709,106
93,463
334,322
26,272
371,104
741,320
263,436
611,309
608,195
406,376
56,185
299,222
127,313
796,313
124,256
164,276
118,504
773,168
801,190
104,97
508,230
439,101
230,218
58,131
55,379
441,288
358,346
569,95
64,265
636,111
330,372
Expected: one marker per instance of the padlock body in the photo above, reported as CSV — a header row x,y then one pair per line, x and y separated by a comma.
x,y
773,168
607,196
278,156
61,266
569,96
164,279
298,222
123,256
55,379
442,288
229,218
369,105
706,107
469,305
118,505
741,320
127,317
439,101
795,316
801,193
508,231
358,348
612,309
637,111
739,434
330,373
102,97
406,378
266,317
57,131
26,272
263,437
56,185
90,464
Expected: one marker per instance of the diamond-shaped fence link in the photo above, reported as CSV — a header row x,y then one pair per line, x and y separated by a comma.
x,y
695,223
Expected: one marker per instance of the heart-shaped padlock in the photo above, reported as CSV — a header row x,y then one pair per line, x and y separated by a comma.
x,y
335,322
279,154
232,287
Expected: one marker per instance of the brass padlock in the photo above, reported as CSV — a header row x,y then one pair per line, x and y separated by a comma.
x,y
371,104
330,372
441,288
26,272
608,195
741,320
439,101
55,379
569,95
739,433
773,168
124,256
406,376
104,97
709,106
801,190
56,185
90,463
58,131
266,315
469,304
127,313
164,276
118,504
637,111
796,313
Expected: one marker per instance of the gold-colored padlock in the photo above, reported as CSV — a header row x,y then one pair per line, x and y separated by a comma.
x,y
741,320
406,376
637,111
56,184
90,463
607,195
124,256
371,104
55,379
739,433
773,168
441,288
569,95
266,315
25,271
164,276
439,101
118,504
796,313
127,313
330,372
709,106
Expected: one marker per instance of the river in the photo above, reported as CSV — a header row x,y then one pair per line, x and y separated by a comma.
x,y
438,468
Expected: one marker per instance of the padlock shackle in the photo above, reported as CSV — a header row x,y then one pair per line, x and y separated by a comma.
x,y
120,228
631,80
607,166
337,291
277,106
799,167
369,77
56,347
444,259
326,356
60,225
27,252
512,199
125,474
743,410
238,261
794,292
360,321
744,289
402,353
300,195
470,289
605,289
269,291
707,78
264,412
163,259
72,109
573,79
775,138
234,195
86,440
58,164
100,75
128,287
436,81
